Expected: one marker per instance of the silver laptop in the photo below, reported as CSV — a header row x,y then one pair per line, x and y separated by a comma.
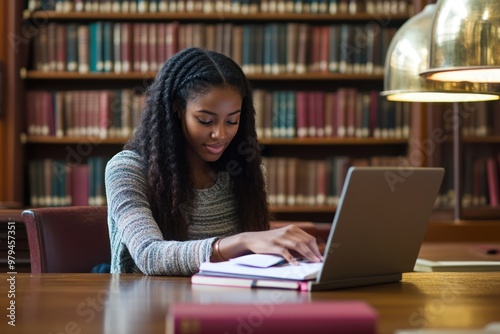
x,y
379,225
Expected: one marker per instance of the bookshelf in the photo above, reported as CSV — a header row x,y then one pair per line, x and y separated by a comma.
x,y
28,74
479,127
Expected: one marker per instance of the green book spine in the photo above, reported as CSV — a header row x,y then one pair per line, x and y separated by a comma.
x,y
291,113
96,43
268,48
107,43
276,120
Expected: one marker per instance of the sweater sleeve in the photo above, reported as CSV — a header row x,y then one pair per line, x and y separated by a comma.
x,y
132,223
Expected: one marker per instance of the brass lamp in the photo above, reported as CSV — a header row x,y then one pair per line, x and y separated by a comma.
x,y
407,57
465,42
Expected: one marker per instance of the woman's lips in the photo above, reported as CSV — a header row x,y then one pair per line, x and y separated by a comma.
x,y
215,149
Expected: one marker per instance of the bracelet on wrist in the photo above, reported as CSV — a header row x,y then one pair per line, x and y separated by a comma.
x,y
217,249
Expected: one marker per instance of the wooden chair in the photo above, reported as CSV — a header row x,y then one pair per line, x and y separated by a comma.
x,y
67,239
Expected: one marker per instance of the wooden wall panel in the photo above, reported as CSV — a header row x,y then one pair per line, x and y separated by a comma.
x,y
12,182
3,176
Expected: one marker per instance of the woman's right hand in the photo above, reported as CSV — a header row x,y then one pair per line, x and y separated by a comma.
x,y
284,241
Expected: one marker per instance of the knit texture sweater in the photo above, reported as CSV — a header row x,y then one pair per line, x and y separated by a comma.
x,y
137,244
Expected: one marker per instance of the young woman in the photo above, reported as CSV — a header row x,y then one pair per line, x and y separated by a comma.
x,y
188,186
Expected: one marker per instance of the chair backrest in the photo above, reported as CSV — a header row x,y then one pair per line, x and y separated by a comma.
x,y
67,239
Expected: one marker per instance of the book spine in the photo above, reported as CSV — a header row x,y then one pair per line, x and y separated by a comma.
x,y
329,317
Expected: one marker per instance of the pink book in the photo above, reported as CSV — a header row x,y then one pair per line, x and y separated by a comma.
x,y
262,318
492,171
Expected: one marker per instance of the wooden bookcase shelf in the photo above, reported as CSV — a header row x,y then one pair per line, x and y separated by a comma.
x,y
37,75
331,141
263,141
74,140
207,17
23,77
32,78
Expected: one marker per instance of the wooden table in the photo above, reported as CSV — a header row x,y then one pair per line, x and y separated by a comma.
x,y
103,303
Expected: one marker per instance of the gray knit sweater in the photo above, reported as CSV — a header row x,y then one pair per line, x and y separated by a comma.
x,y
137,244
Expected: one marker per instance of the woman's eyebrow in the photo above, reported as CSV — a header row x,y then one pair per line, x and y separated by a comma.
x,y
215,114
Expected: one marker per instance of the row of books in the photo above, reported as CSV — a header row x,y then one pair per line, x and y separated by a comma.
x,y
476,120
58,183
291,181
346,112
86,113
294,181
481,182
273,48
402,7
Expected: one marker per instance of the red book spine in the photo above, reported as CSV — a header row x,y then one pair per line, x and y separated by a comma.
x,y
80,185
373,112
321,317
144,47
61,47
341,112
47,115
153,46
136,42
104,117
31,112
316,48
312,114
83,48
319,105
351,112
302,123
172,39
324,47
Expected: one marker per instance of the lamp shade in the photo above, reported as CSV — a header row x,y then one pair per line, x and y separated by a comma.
x,y
408,56
465,42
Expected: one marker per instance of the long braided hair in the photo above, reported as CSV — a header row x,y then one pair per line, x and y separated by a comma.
x,y
159,140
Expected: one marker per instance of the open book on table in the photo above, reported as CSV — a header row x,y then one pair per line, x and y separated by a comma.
x,y
257,270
